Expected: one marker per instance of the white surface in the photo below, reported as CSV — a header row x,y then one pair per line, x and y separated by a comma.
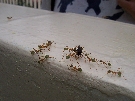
x,y
18,12
106,40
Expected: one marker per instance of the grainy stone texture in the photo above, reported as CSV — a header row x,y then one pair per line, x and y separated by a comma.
x,y
22,79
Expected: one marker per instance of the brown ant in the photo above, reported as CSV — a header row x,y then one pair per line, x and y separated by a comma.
x,y
49,43
41,48
36,51
41,60
46,45
32,52
74,68
118,73
76,52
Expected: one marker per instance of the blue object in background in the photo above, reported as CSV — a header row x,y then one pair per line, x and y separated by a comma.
x,y
63,5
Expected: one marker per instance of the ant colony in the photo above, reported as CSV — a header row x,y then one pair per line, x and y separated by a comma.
x,y
73,55
41,52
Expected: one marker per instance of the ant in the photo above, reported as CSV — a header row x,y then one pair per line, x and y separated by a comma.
x,y
74,68
118,73
9,18
78,51
46,45
43,58
75,52
37,51
49,43
41,48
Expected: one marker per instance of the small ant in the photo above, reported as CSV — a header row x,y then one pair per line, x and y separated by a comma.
x,y
74,68
118,73
46,45
49,43
9,18
32,52
41,48
41,60
36,51
77,51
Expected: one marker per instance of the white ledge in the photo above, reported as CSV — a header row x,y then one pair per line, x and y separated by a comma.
x,y
18,12
104,39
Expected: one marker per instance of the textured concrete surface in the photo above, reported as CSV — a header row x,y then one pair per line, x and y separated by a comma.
x,y
18,12
22,79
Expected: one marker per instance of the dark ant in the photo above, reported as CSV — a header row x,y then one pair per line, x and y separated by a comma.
x,y
78,51
9,18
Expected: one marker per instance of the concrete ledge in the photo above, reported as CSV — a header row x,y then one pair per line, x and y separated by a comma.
x,y
28,80
18,12
23,79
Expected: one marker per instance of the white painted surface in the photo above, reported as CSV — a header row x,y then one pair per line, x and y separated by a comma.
x,y
18,12
106,40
